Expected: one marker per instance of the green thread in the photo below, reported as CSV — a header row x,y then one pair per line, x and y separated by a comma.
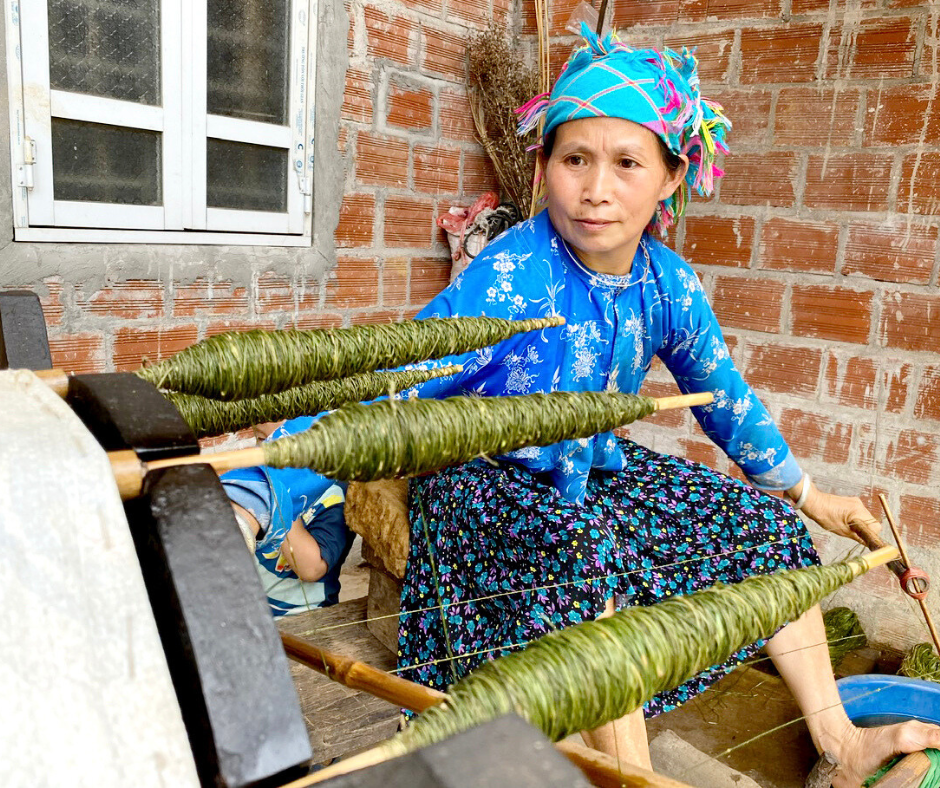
x,y
398,438
214,417
844,633
931,778
628,658
921,662
240,365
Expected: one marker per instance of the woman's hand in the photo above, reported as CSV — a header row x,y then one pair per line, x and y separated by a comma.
x,y
836,513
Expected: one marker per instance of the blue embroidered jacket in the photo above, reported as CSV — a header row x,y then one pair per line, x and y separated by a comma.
x,y
615,325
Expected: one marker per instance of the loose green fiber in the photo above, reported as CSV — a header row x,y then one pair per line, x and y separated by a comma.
x,y
398,438
214,417
921,662
241,365
844,633
595,672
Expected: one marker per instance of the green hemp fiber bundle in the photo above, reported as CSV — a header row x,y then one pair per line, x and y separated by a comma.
x,y
597,671
922,662
398,438
844,633
214,417
239,365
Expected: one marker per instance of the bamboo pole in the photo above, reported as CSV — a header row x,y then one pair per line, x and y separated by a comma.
x,y
906,773
360,676
56,379
130,474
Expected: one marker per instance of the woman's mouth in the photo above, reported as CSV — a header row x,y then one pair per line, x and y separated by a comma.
x,y
593,224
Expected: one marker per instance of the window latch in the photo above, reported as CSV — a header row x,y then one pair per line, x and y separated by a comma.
x,y
306,189
24,171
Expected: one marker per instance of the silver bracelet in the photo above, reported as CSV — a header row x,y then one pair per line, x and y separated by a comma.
x,y
804,492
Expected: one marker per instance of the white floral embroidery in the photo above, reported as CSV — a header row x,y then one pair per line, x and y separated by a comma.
x,y
519,380
750,452
584,339
635,328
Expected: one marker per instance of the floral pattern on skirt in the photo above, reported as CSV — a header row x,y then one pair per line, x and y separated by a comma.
x,y
512,559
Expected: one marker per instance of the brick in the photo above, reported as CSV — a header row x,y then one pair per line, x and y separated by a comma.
x,y
760,179
783,368
235,324
927,404
919,190
53,310
704,452
912,457
436,169
713,52
920,520
434,7
897,380
749,110
133,346
911,321
389,38
356,219
409,109
559,12
429,275
903,253
318,320
409,221
717,240
811,6
353,283
382,160
669,419
135,298
780,54
478,175
456,121
376,316
475,14
735,9
279,294
78,354
208,298
653,12
851,382
831,313
872,49
850,182
903,115
357,98
445,54
395,275
748,303
815,117
799,246
813,436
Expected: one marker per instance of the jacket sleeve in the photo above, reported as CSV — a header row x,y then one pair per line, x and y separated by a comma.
x,y
695,352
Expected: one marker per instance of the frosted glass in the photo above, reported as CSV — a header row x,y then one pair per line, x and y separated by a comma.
x,y
246,177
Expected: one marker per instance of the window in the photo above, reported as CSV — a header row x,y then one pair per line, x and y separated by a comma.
x,y
162,120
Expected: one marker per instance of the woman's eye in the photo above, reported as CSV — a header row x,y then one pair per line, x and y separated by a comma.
x,y
575,159
627,163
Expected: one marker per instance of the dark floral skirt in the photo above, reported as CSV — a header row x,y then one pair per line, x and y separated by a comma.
x,y
511,560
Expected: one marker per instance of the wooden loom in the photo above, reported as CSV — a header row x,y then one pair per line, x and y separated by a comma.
x,y
217,636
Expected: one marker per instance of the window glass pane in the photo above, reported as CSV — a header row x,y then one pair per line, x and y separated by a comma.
x,y
96,163
246,177
107,48
248,59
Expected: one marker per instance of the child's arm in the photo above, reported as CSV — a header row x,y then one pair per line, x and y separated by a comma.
x,y
303,553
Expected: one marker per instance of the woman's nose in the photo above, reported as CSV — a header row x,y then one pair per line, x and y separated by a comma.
x,y
596,185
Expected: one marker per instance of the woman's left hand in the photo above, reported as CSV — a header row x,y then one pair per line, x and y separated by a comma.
x,y
836,513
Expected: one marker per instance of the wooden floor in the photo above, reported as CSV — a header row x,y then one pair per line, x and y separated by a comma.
x,y
746,703
340,721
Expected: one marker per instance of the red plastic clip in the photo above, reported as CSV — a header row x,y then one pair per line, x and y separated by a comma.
x,y
908,581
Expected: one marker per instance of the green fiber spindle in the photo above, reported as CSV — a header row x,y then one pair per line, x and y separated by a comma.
x,y
214,417
398,438
240,365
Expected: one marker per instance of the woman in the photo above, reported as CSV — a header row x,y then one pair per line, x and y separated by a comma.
x,y
552,536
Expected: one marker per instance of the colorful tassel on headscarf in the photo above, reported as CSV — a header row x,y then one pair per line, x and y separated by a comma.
x,y
658,90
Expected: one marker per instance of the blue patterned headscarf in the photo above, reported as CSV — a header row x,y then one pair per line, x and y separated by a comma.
x,y
659,90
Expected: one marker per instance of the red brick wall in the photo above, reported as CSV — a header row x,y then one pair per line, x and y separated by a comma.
x,y
820,251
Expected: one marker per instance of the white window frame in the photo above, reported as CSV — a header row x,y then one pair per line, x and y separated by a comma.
x,y
184,125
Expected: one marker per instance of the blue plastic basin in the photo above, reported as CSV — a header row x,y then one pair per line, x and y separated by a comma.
x,y
883,700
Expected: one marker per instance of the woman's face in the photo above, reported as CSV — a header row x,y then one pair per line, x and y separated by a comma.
x,y
603,181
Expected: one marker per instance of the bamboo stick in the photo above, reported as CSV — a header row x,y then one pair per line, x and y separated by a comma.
x,y
130,476
607,772
56,379
906,773
360,676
